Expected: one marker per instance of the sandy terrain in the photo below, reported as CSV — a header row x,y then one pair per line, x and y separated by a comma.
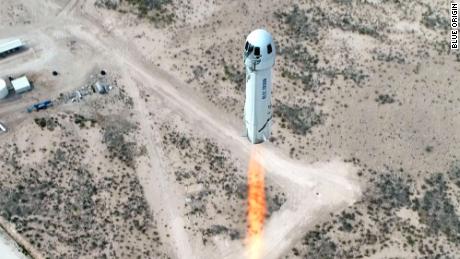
x,y
362,162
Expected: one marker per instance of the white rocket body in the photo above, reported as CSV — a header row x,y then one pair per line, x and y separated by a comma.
x,y
259,59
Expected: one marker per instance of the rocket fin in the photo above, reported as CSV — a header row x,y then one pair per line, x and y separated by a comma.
x,y
244,132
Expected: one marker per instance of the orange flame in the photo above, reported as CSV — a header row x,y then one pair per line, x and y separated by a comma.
x,y
256,206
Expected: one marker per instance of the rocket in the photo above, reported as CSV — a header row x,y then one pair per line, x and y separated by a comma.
x,y
259,59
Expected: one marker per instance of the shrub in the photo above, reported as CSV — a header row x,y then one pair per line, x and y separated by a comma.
x,y
300,119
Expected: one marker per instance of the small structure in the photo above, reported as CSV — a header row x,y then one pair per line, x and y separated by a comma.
x,y
21,85
10,45
101,88
3,89
2,128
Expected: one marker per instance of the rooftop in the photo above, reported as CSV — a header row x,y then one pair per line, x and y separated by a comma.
x,y
20,82
9,44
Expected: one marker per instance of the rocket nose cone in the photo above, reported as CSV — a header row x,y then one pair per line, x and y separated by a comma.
x,y
260,37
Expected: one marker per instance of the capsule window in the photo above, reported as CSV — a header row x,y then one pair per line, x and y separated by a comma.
x,y
250,49
246,46
257,51
269,48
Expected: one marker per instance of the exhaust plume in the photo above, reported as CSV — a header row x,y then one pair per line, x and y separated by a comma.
x,y
256,206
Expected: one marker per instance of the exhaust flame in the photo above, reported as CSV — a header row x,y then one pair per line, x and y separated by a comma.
x,y
256,206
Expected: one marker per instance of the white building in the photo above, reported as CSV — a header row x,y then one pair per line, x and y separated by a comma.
x,y
21,85
3,89
10,45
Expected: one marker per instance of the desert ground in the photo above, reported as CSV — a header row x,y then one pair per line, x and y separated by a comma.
x,y
363,161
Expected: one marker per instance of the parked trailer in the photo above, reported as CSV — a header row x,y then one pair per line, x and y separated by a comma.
x,y
10,45
40,106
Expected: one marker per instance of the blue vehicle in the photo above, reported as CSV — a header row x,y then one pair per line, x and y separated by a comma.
x,y
40,106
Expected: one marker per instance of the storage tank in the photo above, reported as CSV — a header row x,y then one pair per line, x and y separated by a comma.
x,y
3,89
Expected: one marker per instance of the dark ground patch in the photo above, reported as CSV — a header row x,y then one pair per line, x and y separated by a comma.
x,y
300,120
